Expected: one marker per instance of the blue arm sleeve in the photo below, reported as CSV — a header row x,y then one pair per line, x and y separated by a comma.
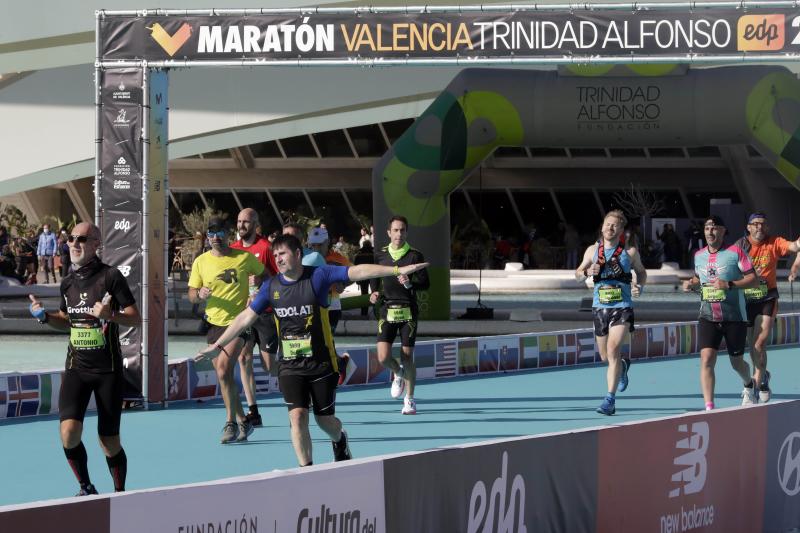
x,y
261,302
324,277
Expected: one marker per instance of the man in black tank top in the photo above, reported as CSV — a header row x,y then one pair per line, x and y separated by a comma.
x,y
307,364
95,301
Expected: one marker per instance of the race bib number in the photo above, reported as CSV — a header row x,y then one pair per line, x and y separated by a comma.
x,y
609,295
294,348
758,293
711,294
398,314
86,338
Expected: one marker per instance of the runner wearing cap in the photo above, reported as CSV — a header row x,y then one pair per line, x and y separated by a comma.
x,y
721,275
319,241
762,302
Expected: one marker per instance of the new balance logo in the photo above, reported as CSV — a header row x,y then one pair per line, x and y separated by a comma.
x,y
693,477
789,464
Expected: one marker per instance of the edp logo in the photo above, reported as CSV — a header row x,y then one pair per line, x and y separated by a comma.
x,y
123,224
506,503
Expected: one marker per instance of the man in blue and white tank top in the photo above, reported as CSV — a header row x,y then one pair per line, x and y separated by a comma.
x,y
721,275
610,263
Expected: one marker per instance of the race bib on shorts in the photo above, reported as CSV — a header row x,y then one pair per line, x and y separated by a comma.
x,y
711,294
609,295
294,348
86,338
758,293
398,314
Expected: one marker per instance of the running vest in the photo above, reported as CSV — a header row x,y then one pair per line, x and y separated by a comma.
x,y
303,326
612,287
93,343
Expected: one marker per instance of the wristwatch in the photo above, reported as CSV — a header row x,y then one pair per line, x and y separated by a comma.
x,y
731,285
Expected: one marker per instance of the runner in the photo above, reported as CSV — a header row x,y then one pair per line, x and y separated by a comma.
x,y
263,331
609,262
307,366
95,302
399,313
220,277
319,242
310,257
762,301
721,274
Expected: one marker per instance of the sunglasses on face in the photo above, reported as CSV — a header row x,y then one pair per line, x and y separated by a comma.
x,y
80,238
211,234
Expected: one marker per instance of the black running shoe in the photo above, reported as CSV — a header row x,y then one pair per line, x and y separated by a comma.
x,y
88,490
341,449
254,419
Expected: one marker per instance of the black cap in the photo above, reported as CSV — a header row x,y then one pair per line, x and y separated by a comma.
x,y
716,219
216,223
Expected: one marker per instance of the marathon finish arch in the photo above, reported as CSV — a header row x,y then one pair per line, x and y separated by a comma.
x,y
648,102
636,105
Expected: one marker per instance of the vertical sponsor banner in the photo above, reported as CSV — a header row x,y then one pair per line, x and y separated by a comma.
x,y
530,484
156,147
782,485
698,473
120,190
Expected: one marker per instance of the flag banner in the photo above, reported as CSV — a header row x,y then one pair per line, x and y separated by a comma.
x,y
567,349
587,352
548,351
178,381
467,356
529,351
446,359
489,33
425,360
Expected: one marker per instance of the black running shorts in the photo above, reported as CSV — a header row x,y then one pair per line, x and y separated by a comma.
x,y
76,389
318,390
387,332
265,333
215,332
766,308
710,335
606,317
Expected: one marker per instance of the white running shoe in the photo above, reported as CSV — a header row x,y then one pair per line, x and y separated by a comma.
x,y
749,396
765,394
398,384
409,406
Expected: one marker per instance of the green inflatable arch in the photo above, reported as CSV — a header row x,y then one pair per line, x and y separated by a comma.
x,y
482,109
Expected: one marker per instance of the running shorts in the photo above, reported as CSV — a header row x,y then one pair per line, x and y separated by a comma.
x,y
766,308
387,332
605,318
318,390
710,335
76,389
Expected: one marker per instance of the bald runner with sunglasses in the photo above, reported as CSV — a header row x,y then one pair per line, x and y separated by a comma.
x,y
95,302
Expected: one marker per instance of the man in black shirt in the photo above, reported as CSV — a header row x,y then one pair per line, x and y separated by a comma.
x,y
95,302
399,310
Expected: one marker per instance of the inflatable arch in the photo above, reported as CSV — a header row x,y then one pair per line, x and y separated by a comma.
x,y
605,105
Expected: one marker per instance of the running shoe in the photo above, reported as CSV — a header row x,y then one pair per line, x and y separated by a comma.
x,y
398,385
245,430
254,419
764,392
88,490
229,432
341,449
749,396
623,378
409,406
608,407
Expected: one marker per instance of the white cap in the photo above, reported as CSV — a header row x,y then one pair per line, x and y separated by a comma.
x,y
318,236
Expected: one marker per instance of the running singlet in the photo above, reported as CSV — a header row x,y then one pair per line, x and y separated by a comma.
x,y
727,264
764,258
262,249
301,315
228,279
93,343
613,293
393,292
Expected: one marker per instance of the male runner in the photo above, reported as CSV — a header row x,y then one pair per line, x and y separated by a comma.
x,y
307,366
95,302
310,257
319,241
220,277
609,262
263,330
399,310
720,274
762,302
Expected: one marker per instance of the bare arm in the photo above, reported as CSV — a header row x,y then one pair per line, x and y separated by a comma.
x,y
749,281
638,268
795,268
242,321
367,271
581,271
199,295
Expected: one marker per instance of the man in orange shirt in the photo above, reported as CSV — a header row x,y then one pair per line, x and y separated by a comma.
x,y
762,301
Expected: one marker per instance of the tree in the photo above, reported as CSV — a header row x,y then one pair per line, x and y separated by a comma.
x,y
638,203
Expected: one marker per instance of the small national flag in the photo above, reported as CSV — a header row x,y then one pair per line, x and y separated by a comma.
x,y
655,341
586,349
467,356
446,359
792,329
4,396
260,374
639,344
424,360
49,388
529,351
202,380
779,330
488,355
567,349
363,360
672,344
509,354
23,395
548,351
178,386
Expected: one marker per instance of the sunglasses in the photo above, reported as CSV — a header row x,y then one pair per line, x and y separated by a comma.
x,y
80,238
211,234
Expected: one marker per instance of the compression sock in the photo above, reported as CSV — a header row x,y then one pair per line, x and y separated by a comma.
x,y
118,466
253,409
79,462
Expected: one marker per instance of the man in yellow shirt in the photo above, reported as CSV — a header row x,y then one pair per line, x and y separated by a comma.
x,y
220,277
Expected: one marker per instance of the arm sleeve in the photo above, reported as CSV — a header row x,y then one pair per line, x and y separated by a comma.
x,y
420,279
119,290
261,302
195,279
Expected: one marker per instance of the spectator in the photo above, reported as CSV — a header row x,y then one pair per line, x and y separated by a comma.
x,y
63,252
46,250
365,255
672,244
7,265
24,257
572,244
365,237
4,236
502,252
339,244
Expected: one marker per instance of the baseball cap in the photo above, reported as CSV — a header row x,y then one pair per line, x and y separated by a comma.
x,y
756,215
318,236
216,223
717,220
